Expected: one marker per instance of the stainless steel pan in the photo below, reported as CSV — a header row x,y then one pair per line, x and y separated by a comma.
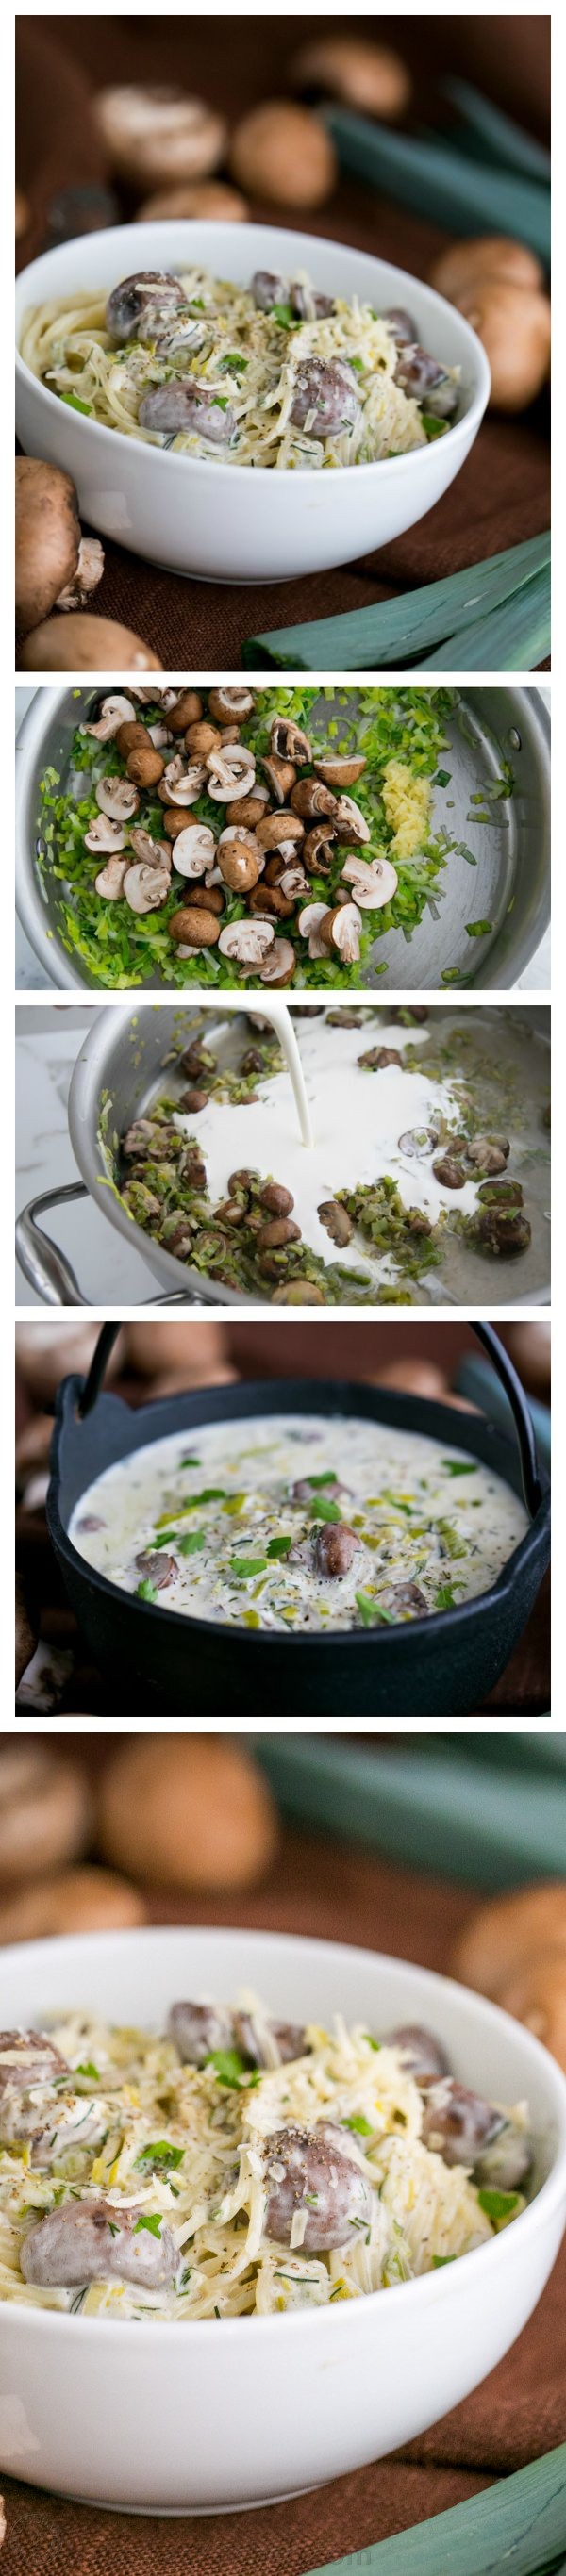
x,y
509,886
121,1065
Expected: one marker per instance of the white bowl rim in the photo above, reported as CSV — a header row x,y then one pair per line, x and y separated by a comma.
x,y
302,475
431,2285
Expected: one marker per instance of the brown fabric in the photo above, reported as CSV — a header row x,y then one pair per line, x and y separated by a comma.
x,y
502,494
330,1890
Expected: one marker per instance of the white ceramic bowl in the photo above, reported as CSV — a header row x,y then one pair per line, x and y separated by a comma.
x,y
202,2418
212,519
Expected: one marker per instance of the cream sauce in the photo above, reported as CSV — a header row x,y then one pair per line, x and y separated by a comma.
x,y
207,1508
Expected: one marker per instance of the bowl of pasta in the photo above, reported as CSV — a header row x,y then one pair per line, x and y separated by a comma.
x,y
268,2207
175,393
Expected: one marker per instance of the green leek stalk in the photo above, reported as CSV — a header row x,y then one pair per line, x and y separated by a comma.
x,y
438,181
518,2524
393,631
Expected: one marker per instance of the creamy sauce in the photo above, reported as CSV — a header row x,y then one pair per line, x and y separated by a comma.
x,y
221,1534
356,1117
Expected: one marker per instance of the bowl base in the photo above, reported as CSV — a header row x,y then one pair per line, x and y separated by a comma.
x,y
196,2512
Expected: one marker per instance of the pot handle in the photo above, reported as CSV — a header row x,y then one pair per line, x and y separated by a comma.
x,y
521,1411
47,1269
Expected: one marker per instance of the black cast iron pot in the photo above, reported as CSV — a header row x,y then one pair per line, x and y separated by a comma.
x,y
439,1666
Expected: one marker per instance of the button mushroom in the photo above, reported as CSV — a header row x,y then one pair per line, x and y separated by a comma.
x,y
376,1058
194,850
298,1292
197,2030
55,566
423,378
279,1231
459,2124
281,776
489,1154
311,798
400,324
504,1230
239,864
419,1141
281,153
310,2171
231,773
278,966
184,407
405,1600
154,854
341,772
251,809
83,643
293,883
200,739
28,2058
194,927
134,306
325,399
422,2055
146,888
110,882
284,831
269,2043
118,798
231,706
335,1220
114,713
288,741
104,835
96,2240
349,822
156,1567
317,850
449,1173
131,737
334,1549
247,943
157,134
267,289
309,924
373,885
341,929
182,708
182,785
145,765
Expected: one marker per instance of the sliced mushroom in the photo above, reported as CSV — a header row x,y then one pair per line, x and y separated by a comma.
x,y
282,831
104,835
182,784
317,850
140,300
231,773
349,822
247,942
288,742
488,1154
309,925
325,399
279,965
185,408
194,927
341,929
281,776
376,1057
311,798
341,771
231,706
309,306
419,1141
194,850
373,884
114,713
110,883
335,1220
146,888
85,579
118,798
154,854
293,882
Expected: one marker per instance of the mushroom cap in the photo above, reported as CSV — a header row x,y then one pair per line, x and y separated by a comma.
x,y
85,643
514,326
231,706
277,831
239,863
48,538
489,255
366,75
155,134
340,772
110,723
279,967
281,152
193,927
503,1937
210,199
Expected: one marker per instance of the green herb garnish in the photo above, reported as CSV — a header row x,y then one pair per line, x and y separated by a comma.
x,y
279,1546
189,1546
90,2071
498,2204
152,2223
459,1466
160,2158
357,2122
75,405
146,1592
246,1565
230,2068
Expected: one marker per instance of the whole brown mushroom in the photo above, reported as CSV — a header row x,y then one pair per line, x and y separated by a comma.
x,y
56,567
366,75
209,199
85,643
280,152
194,926
188,1811
488,255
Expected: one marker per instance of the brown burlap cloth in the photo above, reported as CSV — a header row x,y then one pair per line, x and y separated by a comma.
x,y
329,1890
502,494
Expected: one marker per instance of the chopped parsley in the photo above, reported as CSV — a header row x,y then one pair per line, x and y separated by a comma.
x,y
230,2068
146,1592
161,2158
498,2204
357,2121
90,2071
152,2222
246,1565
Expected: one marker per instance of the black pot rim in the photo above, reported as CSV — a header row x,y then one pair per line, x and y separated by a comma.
x,y
438,1622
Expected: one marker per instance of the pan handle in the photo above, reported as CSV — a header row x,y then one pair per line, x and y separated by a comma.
x,y
521,1411
48,1270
